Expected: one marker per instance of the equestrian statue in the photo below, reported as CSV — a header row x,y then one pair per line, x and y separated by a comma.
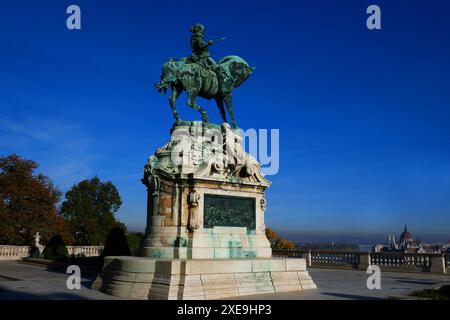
x,y
200,76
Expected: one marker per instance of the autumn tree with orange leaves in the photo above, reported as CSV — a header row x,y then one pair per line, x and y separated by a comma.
x,y
28,204
278,243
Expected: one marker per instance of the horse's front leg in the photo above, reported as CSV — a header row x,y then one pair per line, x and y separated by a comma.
x,y
228,102
219,102
191,103
172,99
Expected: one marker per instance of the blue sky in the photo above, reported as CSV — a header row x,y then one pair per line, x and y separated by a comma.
x,y
364,116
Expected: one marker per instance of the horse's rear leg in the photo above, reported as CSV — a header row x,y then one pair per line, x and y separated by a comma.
x,y
191,103
172,99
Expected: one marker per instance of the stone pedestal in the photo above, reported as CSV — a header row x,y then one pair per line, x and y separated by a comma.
x,y
205,197
205,234
193,279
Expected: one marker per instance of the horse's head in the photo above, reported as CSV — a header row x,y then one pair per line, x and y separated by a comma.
x,y
237,69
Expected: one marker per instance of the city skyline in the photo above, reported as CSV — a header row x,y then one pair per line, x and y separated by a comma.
x,y
363,115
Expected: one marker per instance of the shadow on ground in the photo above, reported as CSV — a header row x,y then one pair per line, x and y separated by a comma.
x,y
350,296
10,294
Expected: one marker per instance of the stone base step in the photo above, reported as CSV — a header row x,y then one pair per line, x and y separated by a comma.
x,y
178,279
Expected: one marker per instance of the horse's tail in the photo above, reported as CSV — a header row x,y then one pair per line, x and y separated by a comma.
x,y
162,86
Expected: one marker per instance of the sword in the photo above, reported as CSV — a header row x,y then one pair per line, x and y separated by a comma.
x,y
218,40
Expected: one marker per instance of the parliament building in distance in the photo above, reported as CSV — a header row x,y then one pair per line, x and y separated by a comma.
x,y
408,244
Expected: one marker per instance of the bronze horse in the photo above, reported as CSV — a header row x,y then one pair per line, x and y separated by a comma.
x,y
197,81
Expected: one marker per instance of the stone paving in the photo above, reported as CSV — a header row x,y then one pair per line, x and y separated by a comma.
x,y
32,282
338,284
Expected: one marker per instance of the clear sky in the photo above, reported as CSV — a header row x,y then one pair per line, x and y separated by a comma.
x,y
364,116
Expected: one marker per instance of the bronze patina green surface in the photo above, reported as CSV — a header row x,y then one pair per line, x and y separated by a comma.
x,y
227,211
200,76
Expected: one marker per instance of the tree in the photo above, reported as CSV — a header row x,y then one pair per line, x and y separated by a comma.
x,y
116,244
278,243
27,203
271,235
89,209
135,240
55,249
283,244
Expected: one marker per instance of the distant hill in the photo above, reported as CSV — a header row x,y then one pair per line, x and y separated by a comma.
x,y
327,246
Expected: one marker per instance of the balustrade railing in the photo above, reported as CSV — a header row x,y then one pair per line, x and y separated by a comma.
x,y
402,260
13,252
8,252
387,261
322,257
289,253
87,251
335,258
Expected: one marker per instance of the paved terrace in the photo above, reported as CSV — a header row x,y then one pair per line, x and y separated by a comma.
x,y
33,282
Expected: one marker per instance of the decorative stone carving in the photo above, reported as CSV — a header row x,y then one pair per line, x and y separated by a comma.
x,y
263,204
205,151
262,225
154,185
194,198
154,189
203,187
37,238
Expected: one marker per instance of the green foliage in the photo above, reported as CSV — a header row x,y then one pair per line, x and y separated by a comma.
x,y
135,240
55,249
89,209
443,293
116,244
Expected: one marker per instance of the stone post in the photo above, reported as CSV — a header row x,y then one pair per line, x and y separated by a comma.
x,y
307,257
364,261
438,265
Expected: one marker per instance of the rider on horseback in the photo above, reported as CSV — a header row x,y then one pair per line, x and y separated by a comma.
x,y
200,54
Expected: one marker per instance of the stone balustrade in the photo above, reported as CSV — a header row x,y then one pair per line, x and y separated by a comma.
x,y
13,252
87,251
407,261
387,261
323,258
335,258
9,252
289,253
